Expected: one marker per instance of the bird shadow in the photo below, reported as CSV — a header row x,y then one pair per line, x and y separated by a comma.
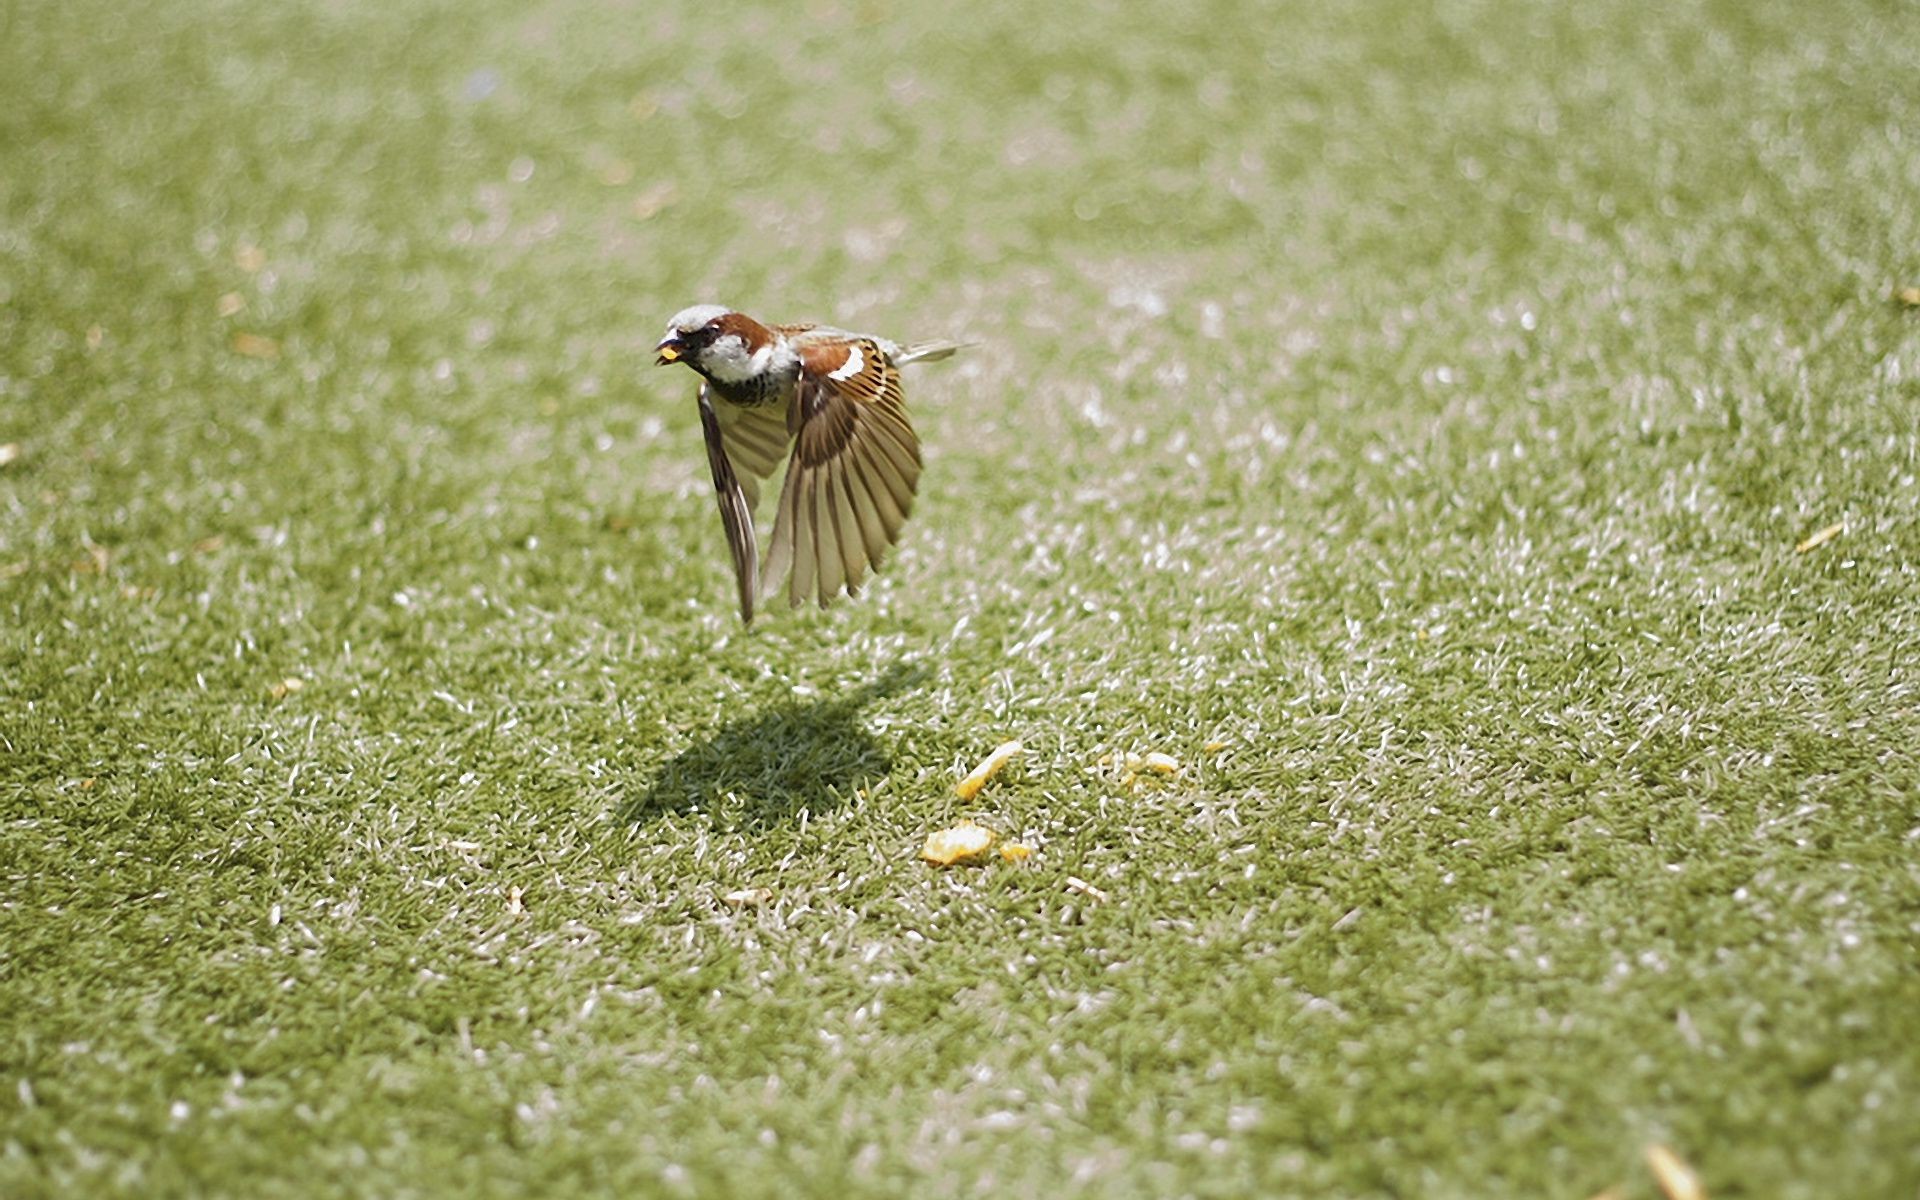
x,y
762,769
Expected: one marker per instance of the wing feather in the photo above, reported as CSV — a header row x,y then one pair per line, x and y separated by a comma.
x,y
780,554
865,510
846,525
893,436
806,553
853,470
831,567
891,493
756,442
736,509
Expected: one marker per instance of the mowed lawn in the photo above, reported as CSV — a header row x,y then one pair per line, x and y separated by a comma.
x,y
1477,441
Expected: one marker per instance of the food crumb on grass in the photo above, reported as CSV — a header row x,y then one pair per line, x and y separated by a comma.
x,y
959,845
1677,1179
1820,537
970,786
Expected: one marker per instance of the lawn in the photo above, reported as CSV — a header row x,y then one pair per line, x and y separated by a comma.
x,y
1477,441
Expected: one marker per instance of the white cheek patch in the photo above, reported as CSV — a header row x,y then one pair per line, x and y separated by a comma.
x,y
856,362
727,359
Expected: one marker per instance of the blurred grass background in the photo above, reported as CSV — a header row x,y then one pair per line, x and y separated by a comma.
x,y
1421,404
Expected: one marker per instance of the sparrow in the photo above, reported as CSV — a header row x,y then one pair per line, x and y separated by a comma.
x,y
828,404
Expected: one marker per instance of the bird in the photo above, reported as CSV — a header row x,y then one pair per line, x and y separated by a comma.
x,y
828,404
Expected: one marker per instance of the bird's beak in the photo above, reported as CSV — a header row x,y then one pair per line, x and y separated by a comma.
x,y
670,350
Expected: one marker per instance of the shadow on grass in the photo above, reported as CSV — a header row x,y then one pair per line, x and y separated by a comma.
x,y
764,768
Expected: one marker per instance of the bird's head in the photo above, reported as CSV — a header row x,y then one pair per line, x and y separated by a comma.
x,y
715,341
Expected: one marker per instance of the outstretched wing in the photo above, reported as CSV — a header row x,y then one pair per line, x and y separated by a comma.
x,y
755,440
736,507
853,472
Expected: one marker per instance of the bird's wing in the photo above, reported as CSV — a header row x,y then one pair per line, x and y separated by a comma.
x,y
736,506
756,441
852,475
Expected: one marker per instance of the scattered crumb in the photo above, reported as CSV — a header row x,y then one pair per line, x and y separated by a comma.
x,y
1677,1180
1015,852
95,563
1820,537
230,304
1163,764
287,687
748,897
650,202
253,345
1141,765
970,787
1214,747
964,843
514,907
1077,884
1909,296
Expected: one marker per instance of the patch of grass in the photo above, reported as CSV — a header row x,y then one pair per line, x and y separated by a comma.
x,y
1419,404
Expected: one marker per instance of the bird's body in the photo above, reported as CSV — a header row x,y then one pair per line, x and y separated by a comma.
x,y
828,403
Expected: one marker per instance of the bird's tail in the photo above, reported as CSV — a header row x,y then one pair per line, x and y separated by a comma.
x,y
929,351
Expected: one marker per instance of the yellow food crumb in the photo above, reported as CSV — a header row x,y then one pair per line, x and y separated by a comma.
x,y
1141,765
1677,1180
254,346
970,787
1820,537
964,843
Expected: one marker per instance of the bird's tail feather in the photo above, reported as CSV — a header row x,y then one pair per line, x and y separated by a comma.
x,y
929,351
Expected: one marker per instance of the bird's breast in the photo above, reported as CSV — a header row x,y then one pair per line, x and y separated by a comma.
x,y
757,390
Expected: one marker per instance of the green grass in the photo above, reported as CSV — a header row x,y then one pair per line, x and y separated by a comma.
x,y
1423,401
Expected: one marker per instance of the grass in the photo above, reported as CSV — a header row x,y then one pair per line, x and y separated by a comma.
x,y
1422,402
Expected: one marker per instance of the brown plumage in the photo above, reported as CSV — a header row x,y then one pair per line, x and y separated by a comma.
x,y
829,404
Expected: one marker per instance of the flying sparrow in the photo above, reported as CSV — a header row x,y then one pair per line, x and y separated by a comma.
x,y
829,403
